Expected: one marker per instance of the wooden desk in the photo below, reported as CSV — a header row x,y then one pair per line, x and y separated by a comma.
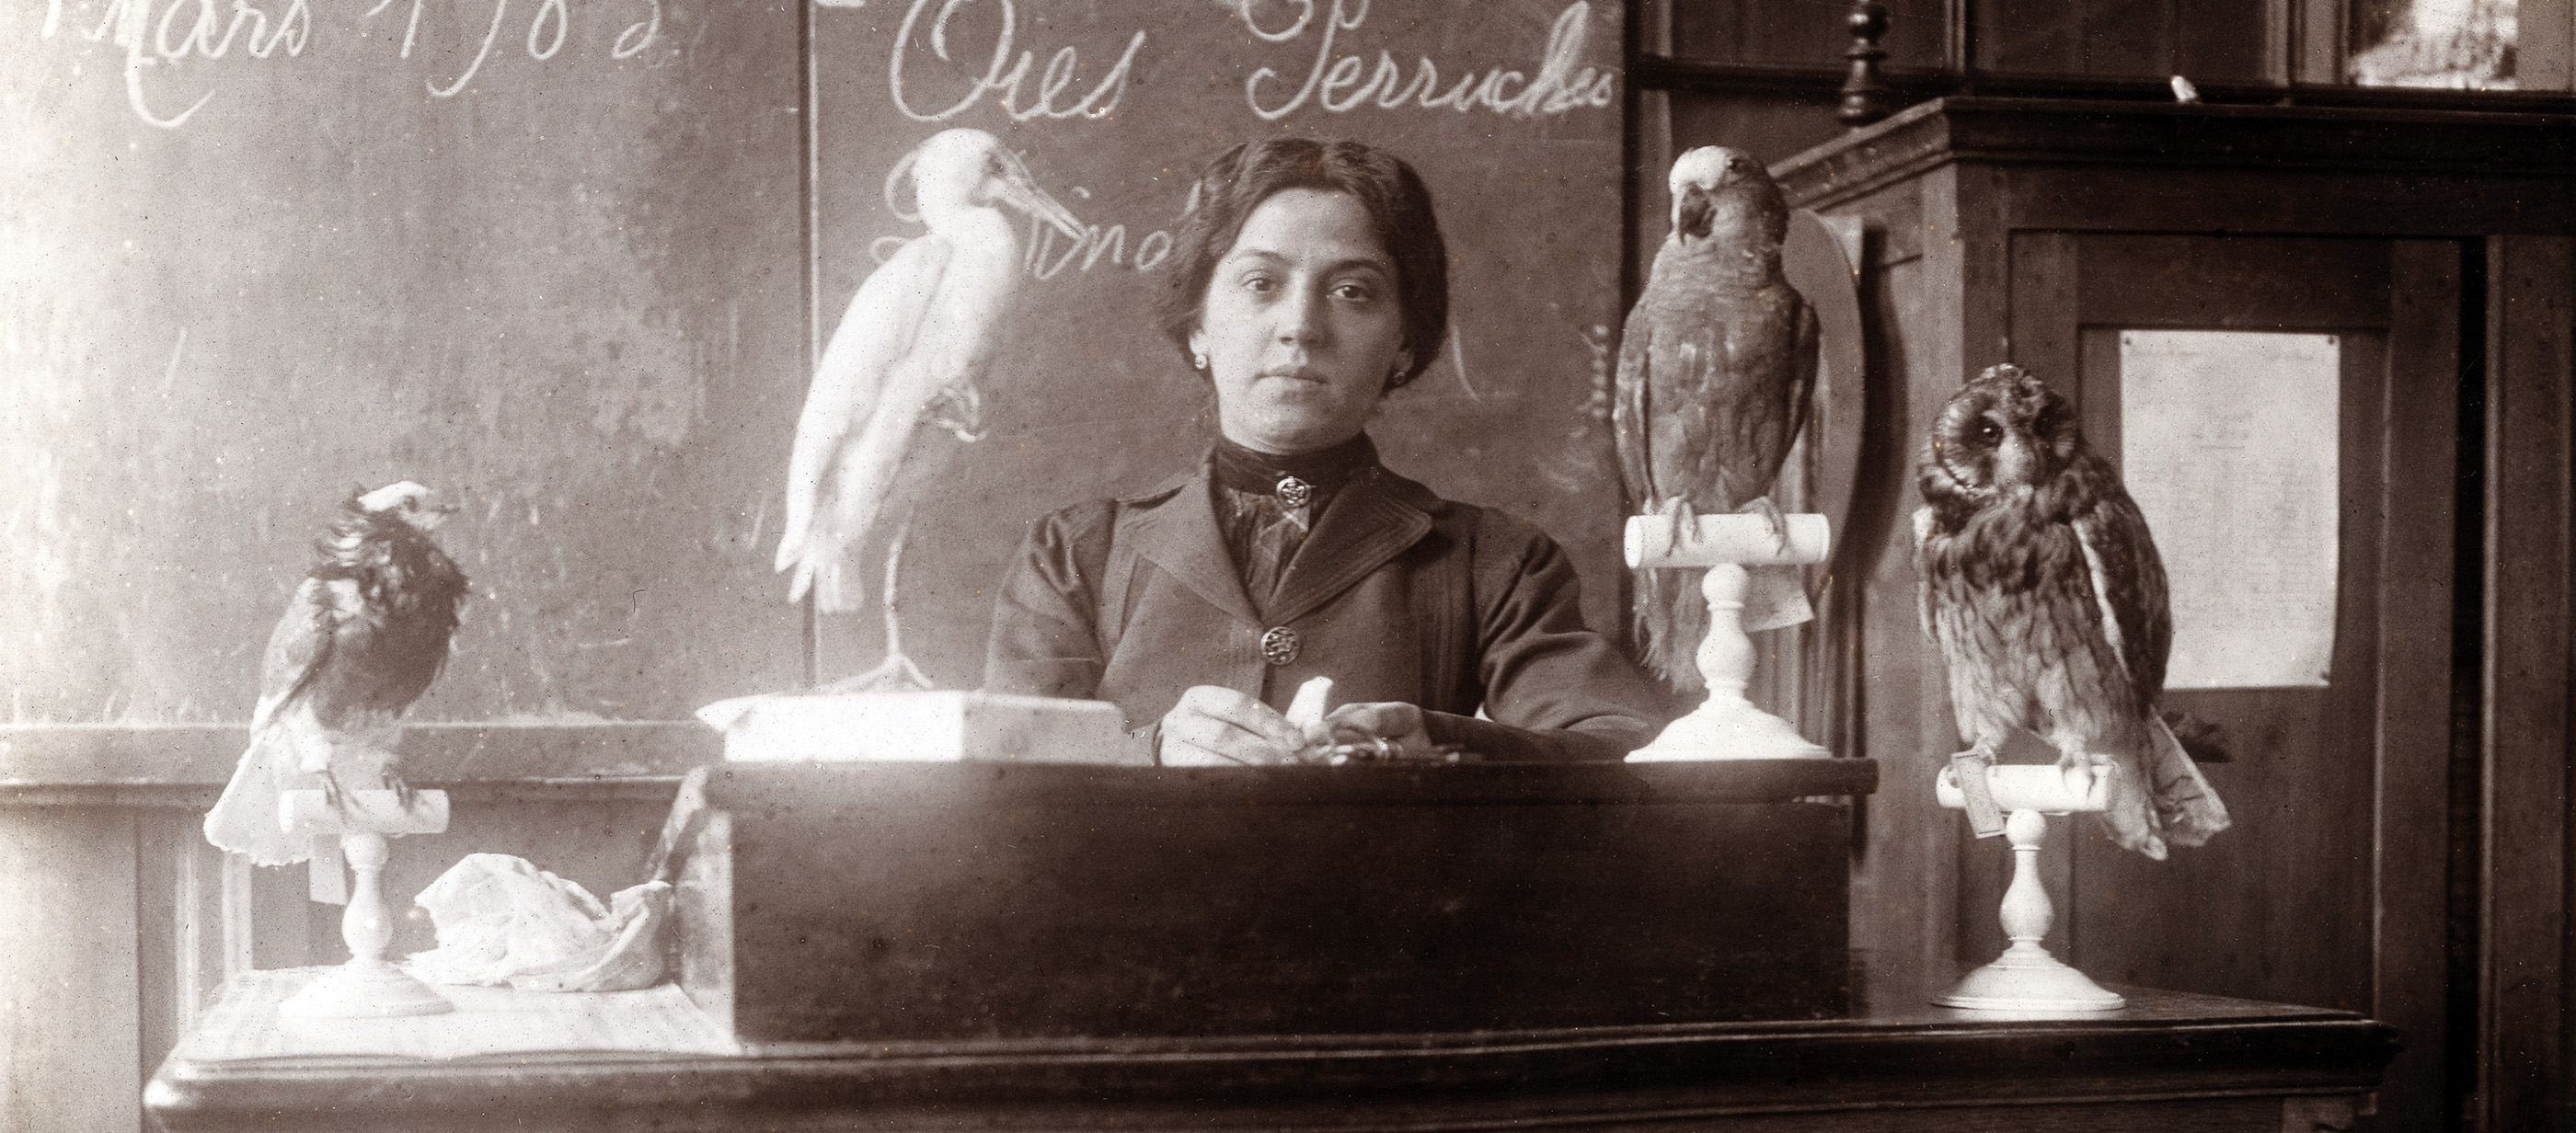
x,y
649,1060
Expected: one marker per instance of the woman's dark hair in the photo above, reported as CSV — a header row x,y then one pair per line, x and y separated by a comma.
x,y
1399,210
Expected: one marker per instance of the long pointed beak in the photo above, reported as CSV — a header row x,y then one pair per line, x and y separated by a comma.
x,y
1021,191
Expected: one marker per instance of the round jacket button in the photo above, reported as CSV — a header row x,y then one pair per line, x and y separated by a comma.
x,y
1279,646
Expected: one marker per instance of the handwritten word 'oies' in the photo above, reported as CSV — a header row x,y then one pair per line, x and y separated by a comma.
x,y
129,24
1006,76
1562,84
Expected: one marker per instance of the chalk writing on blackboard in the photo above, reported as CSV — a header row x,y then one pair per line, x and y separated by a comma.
x,y
198,28
1006,76
1560,86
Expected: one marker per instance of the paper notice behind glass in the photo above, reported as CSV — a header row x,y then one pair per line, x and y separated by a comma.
x,y
2228,441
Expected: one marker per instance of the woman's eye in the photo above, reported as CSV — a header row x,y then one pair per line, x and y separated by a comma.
x,y
1353,292
1259,284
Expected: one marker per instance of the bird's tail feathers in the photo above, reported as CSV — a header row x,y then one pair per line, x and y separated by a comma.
x,y
817,567
245,819
2203,740
791,545
1671,619
2186,805
2129,816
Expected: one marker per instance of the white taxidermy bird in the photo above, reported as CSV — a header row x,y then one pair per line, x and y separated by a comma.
x,y
916,337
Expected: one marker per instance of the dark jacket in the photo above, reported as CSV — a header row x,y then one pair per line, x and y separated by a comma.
x,y
1398,595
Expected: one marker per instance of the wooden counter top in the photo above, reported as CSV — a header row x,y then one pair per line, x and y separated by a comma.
x,y
649,1060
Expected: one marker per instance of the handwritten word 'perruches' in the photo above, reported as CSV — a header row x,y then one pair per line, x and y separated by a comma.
x,y
1562,84
1005,76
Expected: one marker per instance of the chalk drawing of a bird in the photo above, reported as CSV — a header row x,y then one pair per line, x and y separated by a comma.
x,y
917,336
364,635
1715,369
2042,588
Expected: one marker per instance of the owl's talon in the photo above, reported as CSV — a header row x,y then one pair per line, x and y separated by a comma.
x,y
2077,770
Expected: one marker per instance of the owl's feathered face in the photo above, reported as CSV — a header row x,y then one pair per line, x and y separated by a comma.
x,y
2004,434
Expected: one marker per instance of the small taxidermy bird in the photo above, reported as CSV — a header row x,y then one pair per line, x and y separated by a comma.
x,y
1715,368
362,638
2043,590
919,333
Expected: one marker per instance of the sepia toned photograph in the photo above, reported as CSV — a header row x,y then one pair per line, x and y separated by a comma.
x,y
1322,565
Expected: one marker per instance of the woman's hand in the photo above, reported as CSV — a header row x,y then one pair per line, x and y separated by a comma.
x,y
1213,725
1394,721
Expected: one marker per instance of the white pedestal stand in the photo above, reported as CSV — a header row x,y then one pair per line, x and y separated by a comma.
x,y
367,986
1726,725
2026,979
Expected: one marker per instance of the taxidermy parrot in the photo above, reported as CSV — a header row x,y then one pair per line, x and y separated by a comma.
x,y
1715,368
363,636
2042,588
913,342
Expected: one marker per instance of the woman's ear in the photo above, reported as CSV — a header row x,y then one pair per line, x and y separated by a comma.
x,y
1403,362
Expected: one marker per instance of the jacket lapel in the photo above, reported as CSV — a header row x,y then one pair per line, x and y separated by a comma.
x,y
1180,535
1372,519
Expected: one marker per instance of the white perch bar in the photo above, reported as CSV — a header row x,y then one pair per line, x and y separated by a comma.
x,y
2042,787
1746,540
367,986
2026,980
365,812
1726,725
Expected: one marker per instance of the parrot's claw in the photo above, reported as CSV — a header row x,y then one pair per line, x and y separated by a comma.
x,y
331,792
1779,522
1678,509
403,792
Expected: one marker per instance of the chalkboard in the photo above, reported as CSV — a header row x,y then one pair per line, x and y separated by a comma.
x,y
569,261
540,254
1510,110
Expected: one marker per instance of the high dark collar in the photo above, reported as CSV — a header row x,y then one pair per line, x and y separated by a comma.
x,y
1371,520
1325,469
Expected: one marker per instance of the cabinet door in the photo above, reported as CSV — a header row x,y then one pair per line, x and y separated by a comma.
x,y
2329,888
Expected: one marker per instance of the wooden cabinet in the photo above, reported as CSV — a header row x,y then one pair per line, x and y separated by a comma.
x,y
2434,246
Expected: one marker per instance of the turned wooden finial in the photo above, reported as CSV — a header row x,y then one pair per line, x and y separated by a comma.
x,y
1865,95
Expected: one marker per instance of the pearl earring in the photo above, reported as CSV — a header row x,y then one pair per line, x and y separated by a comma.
x,y
1198,362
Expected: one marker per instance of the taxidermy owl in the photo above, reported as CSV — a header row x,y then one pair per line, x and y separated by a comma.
x,y
2045,595
1714,372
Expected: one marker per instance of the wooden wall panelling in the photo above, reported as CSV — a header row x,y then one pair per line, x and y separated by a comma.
x,y
2531,369
2211,919
2545,45
69,1041
2412,740
1905,888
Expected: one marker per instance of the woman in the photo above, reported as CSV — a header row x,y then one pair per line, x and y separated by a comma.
x,y
1311,282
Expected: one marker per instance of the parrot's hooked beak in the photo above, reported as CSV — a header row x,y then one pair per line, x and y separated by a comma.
x,y
1016,188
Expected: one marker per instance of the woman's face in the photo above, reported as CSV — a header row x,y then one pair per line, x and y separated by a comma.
x,y
1302,325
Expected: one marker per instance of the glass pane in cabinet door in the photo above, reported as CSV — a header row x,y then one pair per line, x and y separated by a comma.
x,y
2453,44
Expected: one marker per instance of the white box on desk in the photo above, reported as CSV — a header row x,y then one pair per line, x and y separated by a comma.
x,y
939,727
